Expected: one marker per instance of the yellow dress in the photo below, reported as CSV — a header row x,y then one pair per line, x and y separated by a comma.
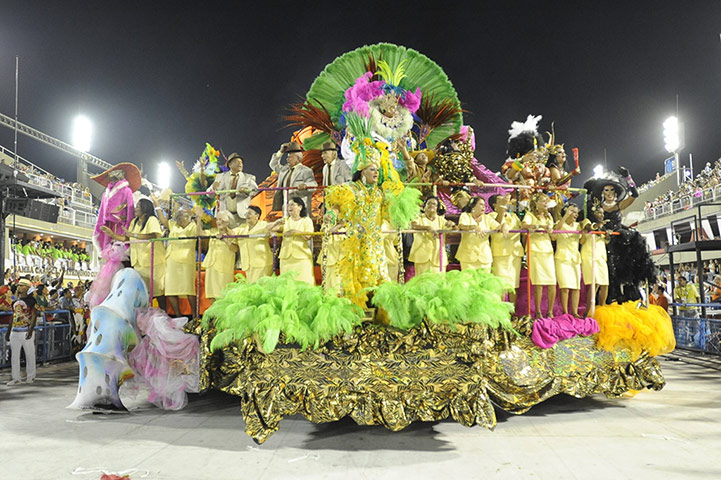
x,y
593,262
425,252
508,252
256,258
390,248
140,256
568,258
474,251
180,268
541,264
219,264
362,265
295,252
332,251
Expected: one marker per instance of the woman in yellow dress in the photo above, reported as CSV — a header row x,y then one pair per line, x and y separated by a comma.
x,y
331,249
296,254
425,252
391,240
568,259
542,269
180,267
145,226
593,256
219,262
506,247
255,255
474,251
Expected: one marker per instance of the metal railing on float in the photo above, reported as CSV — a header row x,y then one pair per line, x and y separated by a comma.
x,y
442,234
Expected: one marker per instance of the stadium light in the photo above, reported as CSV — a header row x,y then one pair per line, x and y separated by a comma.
x,y
163,175
82,133
598,171
673,134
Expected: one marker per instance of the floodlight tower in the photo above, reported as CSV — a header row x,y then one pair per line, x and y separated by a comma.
x,y
673,138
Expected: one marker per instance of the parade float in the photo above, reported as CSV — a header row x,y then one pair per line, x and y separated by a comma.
x,y
444,344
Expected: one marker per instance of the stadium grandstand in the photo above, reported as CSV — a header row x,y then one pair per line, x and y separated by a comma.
x,y
50,235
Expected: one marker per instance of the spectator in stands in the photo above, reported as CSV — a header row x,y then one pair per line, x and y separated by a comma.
x,y
686,293
53,299
716,290
41,298
658,296
6,305
22,332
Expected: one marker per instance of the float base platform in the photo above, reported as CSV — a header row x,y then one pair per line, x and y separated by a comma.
x,y
382,376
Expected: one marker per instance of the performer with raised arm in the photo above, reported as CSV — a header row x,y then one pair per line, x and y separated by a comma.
x,y
292,174
335,170
629,262
244,185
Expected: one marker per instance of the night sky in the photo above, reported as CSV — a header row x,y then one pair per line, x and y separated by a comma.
x,y
159,80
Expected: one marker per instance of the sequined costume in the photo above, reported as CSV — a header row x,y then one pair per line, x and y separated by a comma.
x,y
363,208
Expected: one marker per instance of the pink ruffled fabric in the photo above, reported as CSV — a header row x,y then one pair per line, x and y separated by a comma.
x,y
114,254
362,92
166,358
549,331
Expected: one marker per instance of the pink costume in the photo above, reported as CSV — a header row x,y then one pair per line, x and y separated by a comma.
x,y
116,211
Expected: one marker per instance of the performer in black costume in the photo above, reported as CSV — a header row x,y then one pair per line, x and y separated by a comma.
x,y
629,262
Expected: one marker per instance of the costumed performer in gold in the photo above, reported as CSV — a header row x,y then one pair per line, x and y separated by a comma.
x,y
541,266
425,252
568,259
256,257
296,254
219,262
180,256
593,255
474,251
145,226
506,247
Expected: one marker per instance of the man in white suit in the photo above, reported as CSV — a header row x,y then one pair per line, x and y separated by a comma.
x,y
335,171
292,174
244,185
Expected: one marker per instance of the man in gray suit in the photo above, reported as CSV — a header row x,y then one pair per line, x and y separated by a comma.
x,y
243,183
292,174
335,171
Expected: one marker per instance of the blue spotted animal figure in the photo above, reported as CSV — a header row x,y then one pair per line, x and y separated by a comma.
x,y
112,333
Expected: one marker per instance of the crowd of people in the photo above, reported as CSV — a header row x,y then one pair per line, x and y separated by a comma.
x,y
30,254
699,188
687,287
27,302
